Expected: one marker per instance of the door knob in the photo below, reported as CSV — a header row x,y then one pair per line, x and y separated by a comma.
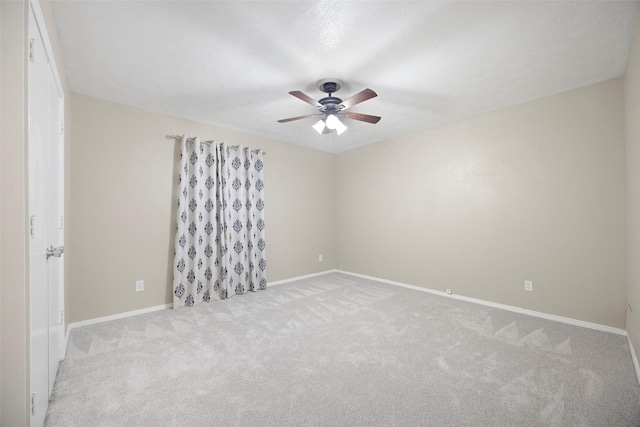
x,y
56,252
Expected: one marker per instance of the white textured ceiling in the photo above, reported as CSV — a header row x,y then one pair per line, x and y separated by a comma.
x,y
232,63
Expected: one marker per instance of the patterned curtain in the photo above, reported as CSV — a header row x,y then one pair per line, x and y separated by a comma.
x,y
220,246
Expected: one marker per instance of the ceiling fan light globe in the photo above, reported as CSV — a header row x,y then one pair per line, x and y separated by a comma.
x,y
340,128
333,122
318,127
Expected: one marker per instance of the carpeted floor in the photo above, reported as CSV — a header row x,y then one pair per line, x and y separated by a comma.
x,y
340,350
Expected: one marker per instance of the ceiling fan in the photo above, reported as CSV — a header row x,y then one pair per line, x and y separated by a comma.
x,y
331,108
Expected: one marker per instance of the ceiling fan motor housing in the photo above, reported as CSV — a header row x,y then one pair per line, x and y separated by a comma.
x,y
330,103
329,86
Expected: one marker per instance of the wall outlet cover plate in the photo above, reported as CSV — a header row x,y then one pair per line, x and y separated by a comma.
x,y
528,285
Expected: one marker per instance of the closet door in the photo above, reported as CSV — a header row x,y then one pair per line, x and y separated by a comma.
x,y
46,174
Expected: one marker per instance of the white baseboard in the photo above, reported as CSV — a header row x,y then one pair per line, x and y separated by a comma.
x,y
636,366
88,322
514,309
293,279
542,315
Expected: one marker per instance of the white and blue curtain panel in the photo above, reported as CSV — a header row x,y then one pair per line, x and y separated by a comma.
x,y
220,244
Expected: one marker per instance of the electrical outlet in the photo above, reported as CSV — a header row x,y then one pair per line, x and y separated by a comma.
x,y
528,285
139,285
320,258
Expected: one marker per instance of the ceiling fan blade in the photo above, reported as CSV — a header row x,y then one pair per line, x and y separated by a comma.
x,y
358,98
362,117
306,98
290,119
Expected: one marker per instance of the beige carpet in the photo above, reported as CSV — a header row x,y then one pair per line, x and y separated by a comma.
x,y
340,350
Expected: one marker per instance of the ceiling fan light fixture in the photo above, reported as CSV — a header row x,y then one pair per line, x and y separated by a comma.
x,y
319,126
331,108
340,128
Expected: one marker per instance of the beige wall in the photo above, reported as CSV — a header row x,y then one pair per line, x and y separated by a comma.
x,y
533,192
13,231
122,204
632,127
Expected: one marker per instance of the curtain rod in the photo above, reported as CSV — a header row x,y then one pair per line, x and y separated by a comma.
x,y
177,137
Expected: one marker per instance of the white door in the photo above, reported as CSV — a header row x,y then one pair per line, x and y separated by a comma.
x,y
55,222
46,219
